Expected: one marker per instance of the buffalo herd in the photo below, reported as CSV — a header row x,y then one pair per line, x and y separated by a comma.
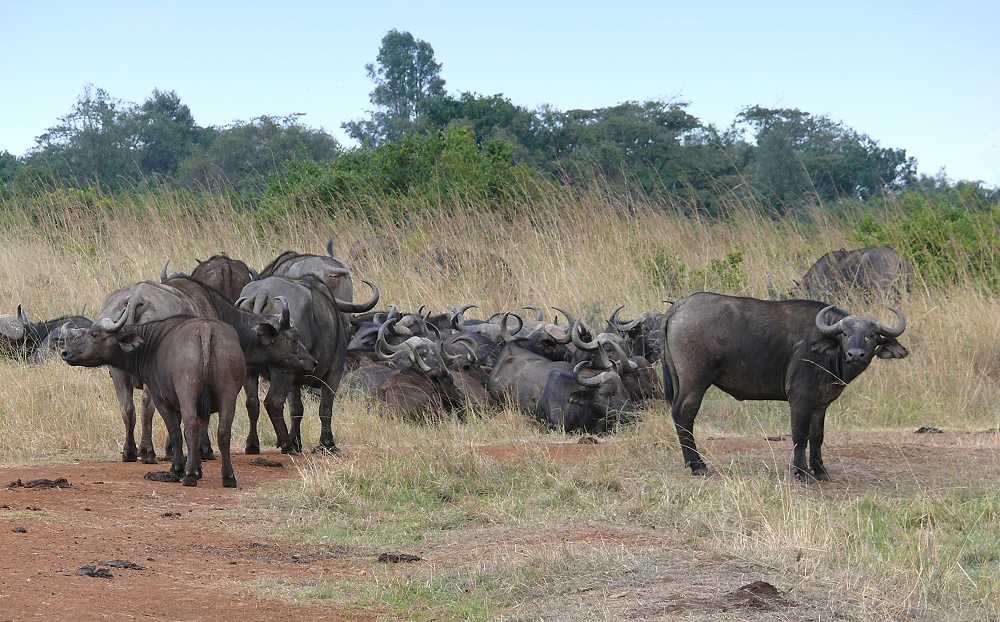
x,y
192,342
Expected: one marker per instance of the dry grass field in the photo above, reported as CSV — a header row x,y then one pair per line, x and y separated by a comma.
x,y
525,524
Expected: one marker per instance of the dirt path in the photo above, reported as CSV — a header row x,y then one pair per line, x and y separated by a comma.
x,y
195,559
179,535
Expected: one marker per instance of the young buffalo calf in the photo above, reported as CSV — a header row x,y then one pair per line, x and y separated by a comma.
x,y
192,367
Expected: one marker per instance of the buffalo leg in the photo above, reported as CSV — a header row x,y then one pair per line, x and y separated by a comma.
x,y
123,389
146,452
685,409
295,412
205,444
326,442
227,412
251,386
802,409
274,403
816,445
172,419
192,434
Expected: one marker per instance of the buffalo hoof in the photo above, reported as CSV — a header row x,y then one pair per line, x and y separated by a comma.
x,y
804,476
129,457
190,480
207,454
821,476
252,450
291,451
229,482
148,456
331,450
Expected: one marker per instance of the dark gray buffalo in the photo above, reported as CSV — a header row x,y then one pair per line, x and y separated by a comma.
x,y
594,404
873,272
221,272
36,342
799,351
318,315
191,366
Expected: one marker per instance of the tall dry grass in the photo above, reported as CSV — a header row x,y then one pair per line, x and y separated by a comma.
x,y
587,252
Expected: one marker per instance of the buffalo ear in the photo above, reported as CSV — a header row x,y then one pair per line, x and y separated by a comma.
x,y
128,342
824,345
266,332
891,349
581,396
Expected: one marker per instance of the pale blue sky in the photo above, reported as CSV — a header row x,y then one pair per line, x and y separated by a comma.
x,y
922,76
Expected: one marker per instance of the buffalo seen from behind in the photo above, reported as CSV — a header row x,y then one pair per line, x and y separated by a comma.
x,y
191,367
799,351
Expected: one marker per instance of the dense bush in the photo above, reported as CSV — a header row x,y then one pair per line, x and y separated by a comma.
x,y
435,167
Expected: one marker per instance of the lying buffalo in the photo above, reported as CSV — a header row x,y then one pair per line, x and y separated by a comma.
x,y
191,366
865,272
798,351
595,404
36,342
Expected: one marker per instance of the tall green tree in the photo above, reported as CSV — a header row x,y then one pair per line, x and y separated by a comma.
x,y
94,142
798,157
166,133
405,73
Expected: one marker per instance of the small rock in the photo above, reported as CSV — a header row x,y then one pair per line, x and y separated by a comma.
x,y
398,557
264,462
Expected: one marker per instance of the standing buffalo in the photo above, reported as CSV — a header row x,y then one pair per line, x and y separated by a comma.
x,y
191,366
798,351
318,315
872,272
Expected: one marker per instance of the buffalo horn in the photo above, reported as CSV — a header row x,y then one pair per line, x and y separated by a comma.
x,y
380,341
113,326
419,360
893,332
539,315
285,315
259,302
22,316
163,272
586,346
826,329
360,307
625,361
238,304
504,332
621,326
254,275
594,381
329,247
569,317
458,317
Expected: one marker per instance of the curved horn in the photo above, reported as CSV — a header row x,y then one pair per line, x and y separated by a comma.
x,y
826,329
163,272
22,316
586,346
539,314
419,360
458,317
594,381
113,326
625,361
254,275
886,331
359,307
504,332
619,325
569,317
286,321
380,340
239,302
83,311
329,247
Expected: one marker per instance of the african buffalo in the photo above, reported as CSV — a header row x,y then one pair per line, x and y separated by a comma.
x,y
222,273
318,315
641,335
572,402
191,366
329,269
799,351
867,272
35,342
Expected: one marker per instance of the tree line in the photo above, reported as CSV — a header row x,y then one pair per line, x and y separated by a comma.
x,y
420,138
